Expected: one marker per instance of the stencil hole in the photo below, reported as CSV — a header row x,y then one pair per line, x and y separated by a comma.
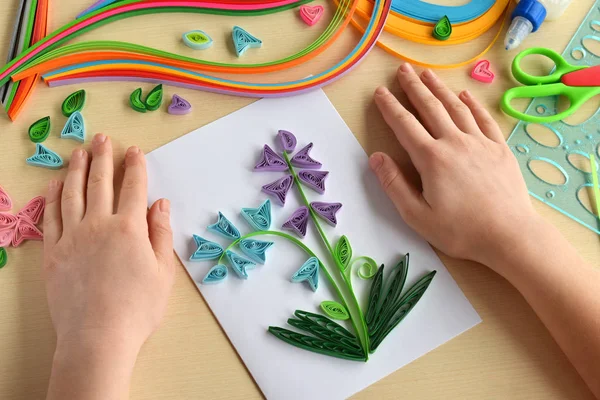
x,y
541,109
592,44
544,135
522,148
583,114
585,196
581,161
548,171
578,53
595,25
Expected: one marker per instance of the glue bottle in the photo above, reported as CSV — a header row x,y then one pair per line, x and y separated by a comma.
x,y
528,17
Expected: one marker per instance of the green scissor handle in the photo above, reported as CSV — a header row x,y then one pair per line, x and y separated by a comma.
x,y
562,67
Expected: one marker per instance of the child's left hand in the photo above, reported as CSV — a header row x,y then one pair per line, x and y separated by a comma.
x,y
108,274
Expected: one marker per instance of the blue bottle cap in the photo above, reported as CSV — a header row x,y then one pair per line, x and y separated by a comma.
x,y
533,10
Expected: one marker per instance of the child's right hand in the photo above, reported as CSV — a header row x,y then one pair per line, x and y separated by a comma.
x,y
472,202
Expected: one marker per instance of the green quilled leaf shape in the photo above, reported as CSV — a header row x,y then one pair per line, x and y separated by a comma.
x,y
154,99
343,253
74,102
443,29
197,40
3,257
329,337
135,101
387,306
39,130
335,310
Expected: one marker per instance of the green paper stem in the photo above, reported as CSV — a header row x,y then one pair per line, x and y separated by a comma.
x,y
363,332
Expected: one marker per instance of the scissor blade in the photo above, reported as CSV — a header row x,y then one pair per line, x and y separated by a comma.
x,y
584,77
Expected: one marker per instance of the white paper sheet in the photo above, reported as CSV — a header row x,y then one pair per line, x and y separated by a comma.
x,y
210,170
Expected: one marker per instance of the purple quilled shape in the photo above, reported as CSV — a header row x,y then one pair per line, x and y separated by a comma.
x,y
270,161
302,159
314,179
326,211
179,106
279,188
298,221
288,140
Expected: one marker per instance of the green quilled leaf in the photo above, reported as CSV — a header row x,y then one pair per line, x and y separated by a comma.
x,y
343,253
3,257
374,296
335,310
74,102
135,101
154,99
39,130
315,344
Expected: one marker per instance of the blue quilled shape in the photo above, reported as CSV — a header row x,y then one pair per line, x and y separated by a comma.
x,y
240,264
206,250
259,218
225,228
243,41
45,158
255,249
309,272
217,274
74,128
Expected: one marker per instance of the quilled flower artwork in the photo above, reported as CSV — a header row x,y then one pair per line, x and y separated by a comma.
x,y
359,331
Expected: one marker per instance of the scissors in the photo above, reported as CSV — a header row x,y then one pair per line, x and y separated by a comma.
x,y
577,83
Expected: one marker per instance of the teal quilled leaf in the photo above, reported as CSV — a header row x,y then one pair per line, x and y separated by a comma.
x,y
206,250
74,128
154,98
343,253
74,102
45,158
135,101
216,274
197,40
39,130
225,228
239,264
309,272
255,249
243,41
259,218
335,310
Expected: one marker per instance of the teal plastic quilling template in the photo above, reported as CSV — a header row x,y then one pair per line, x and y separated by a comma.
x,y
45,158
560,146
205,249
74,128
216,274
239,264
255,249
242,40
308,272
225,228
259,218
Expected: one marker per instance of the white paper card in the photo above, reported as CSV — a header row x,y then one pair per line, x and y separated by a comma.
x,y
211,169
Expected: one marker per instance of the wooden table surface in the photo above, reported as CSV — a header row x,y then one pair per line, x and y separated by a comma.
x,y
509,355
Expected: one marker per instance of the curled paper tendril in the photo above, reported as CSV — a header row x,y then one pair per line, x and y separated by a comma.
x,y
179,106
279,189
74,102
298,222
34,209
5,200
239,264
367,267
242,40
255,249
259,218
287,140
39,130
270,161
327,211
205,249
309,272
302,159
74,128
314,179
216,274
25,230
225,228
45,158
335,310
